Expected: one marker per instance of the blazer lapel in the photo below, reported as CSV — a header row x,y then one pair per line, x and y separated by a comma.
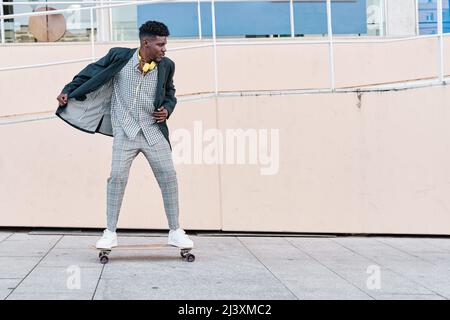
x,y
161,81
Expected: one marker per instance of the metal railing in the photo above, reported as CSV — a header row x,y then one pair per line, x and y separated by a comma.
x,y
330,41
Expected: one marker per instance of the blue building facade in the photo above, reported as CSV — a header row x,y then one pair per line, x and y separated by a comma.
x,y
258,18
428,16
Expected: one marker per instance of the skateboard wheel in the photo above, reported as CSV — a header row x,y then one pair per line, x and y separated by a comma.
x,y
190,257
104,259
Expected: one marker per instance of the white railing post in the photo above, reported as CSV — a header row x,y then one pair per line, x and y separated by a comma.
x,y
92,35
2,24
330,45
441,41
199,17
111,38
291,14
383,18
417,18
213,17
386,16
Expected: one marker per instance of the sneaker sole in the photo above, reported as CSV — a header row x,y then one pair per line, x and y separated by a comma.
x,y
179,246
107,248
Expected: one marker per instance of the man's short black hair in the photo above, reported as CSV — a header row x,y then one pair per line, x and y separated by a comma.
x,y
153,28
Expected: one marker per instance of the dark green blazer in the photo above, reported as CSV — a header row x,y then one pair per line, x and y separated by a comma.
x,y
89,93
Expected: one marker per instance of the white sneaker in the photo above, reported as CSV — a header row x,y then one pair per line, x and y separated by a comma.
x,y
108,240
179,238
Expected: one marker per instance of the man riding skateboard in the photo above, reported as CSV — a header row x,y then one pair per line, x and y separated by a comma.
x,y
129,94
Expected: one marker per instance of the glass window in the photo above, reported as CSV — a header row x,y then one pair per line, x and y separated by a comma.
x,y
428,16
124,23
78,23
376,18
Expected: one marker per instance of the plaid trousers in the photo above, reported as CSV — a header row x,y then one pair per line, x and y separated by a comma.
x,y
159,157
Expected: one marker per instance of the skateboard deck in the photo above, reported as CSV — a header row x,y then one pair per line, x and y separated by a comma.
x,y
104,253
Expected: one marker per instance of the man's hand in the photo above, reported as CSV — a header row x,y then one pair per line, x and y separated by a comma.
x,y
160,115
62,99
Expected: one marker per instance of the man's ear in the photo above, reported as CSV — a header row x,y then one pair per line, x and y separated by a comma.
x,y
147,42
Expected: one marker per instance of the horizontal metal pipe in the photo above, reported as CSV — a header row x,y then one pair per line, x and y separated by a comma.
x,y
20,118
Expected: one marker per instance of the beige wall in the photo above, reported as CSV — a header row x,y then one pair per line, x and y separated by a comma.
x,y
378,164
381,167
374,63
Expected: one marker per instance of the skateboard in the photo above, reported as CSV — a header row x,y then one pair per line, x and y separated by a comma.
x,y
104,253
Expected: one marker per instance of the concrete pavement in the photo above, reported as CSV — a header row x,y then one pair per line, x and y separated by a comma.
x,y
60,265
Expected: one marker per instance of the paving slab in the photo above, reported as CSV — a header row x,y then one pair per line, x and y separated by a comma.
x,y
4,235
305,276
175,285
359,270
7,286
24,245
430,276
58,283
17,267
429,251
